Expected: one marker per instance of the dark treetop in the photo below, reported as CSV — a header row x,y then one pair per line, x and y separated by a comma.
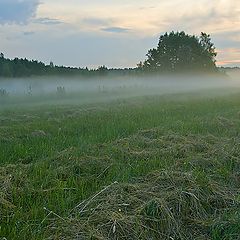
x,y
180,52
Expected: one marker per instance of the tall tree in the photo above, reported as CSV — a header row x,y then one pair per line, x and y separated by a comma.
x,y
178,51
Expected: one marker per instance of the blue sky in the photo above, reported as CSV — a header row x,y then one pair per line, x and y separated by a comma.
x,y
116,33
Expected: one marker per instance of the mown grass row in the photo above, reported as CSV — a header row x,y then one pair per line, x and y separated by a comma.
x,y
52,158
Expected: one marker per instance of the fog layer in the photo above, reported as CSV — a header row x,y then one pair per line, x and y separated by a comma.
x,y
57,89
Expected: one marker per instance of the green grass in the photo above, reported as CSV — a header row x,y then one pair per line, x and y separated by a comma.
x,y
176,161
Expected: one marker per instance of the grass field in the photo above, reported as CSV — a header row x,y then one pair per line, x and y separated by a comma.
x,y
153,167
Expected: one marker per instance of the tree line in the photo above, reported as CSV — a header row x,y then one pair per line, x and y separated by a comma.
x,y
176,52
19,67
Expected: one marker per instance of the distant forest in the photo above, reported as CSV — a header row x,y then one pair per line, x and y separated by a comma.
x,y
176,52
18,67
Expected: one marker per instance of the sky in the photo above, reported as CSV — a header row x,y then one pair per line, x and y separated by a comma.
x,y
115,33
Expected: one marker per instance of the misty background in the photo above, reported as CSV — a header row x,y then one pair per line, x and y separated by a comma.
x,y
57,90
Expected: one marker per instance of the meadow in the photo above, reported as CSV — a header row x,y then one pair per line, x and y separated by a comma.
x,y
122,166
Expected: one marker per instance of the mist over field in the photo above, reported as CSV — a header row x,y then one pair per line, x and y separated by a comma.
x,y
46,89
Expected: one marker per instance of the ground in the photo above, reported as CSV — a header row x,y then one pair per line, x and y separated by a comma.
x,y
153,167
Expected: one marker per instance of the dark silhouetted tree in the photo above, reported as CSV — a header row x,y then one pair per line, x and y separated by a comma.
x,y
178,51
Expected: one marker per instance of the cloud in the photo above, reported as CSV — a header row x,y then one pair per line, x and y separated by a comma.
x,y
17,11
28,33
102,24
97,21
228,62
217,17
47,21
115,29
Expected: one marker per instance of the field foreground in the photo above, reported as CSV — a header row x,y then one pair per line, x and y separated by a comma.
x,y
159,167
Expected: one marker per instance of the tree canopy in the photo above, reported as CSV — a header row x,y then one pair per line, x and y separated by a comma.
x,y
178,52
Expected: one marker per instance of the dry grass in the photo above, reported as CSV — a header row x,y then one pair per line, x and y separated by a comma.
x,y
99,175
184,200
